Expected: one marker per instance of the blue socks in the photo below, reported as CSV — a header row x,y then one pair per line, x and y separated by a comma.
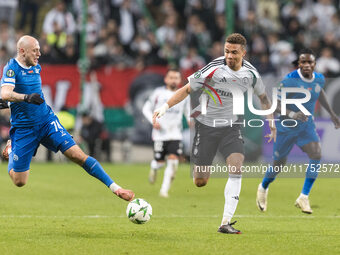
x,y
93,167
269,177
311,175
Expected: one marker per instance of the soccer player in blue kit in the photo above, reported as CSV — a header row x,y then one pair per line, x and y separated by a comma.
x,y
33,122
304,134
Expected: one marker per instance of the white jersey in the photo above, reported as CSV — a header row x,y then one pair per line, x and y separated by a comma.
x,y
215,82
171,121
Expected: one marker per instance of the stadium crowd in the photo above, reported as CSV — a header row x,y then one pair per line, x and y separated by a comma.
x,y
188,34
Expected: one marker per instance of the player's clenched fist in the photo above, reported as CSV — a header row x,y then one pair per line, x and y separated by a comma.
x,y
33,99
159,112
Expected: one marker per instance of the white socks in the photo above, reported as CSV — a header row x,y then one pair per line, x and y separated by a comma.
x,y
156,165
114,187
303,196
231,195
169,172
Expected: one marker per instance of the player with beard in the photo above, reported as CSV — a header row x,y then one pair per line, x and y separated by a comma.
x,y
167,133
303,134
224,74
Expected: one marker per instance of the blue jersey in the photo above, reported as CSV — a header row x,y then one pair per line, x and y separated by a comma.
x,y
296,80
25,81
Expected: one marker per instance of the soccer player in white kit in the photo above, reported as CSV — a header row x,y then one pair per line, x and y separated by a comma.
x,y
167,131
225,72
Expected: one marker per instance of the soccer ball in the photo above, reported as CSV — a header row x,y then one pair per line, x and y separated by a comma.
x,y
139,211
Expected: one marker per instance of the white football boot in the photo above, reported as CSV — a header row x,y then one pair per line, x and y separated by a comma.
x,y
261,198
302,202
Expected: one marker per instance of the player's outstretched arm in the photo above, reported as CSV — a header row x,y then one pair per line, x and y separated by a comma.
x,y
179,96
324,102
8,94
291,114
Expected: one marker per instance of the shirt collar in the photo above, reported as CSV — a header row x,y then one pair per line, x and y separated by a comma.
x,y
23,66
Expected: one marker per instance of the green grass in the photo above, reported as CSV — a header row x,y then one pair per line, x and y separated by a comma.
x,y
64,211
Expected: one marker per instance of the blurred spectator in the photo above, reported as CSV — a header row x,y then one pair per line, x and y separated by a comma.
x,y
263,65
8,11
95,136
59,20
300,9
120,59
327,63
4,56
200,38
258,45
126,21
97,9
167,32
29,7
92,30
324,10
267,22
215,51
251,25
281,57
192,60
218,33
119,33
8,38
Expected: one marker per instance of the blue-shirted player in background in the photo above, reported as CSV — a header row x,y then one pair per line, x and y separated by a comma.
x,y
33,122
304,134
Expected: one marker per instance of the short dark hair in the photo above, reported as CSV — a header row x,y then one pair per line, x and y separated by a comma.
x,y
306,51
236,38
172,70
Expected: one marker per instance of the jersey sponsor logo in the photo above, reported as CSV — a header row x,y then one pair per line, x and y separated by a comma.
x,y
224,93
10,73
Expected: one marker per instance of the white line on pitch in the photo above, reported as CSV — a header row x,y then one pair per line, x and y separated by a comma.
x,y
176,216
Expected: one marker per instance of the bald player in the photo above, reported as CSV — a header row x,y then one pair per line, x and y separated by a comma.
x,y
34,123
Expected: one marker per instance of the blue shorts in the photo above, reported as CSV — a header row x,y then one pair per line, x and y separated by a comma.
x,y
26,140
286,140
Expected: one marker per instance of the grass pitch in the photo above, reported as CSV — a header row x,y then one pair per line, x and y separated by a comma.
x,y
62,210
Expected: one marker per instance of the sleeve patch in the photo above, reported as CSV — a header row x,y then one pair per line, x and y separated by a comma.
x,y
7,84
9,80
10,73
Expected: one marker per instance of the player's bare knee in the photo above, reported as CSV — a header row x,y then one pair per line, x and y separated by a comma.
x,y
76,155
200,182
172,156
19,183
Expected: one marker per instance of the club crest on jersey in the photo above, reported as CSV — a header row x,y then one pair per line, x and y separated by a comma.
x,y
10,73
36,70
245,81
317,88
197,74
